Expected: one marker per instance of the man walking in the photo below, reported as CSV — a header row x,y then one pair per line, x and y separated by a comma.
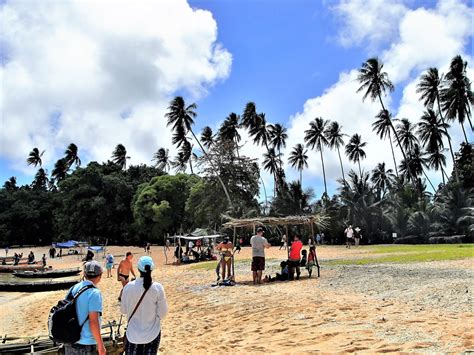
x,y
89,310
349,235
258,243
124,269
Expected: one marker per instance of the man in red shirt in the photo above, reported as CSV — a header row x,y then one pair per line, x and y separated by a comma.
x,y
294,259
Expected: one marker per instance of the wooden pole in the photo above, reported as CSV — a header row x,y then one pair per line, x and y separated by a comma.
x,y
233,265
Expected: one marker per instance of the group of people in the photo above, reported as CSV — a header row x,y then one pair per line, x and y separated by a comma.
x,y
141,300
353,236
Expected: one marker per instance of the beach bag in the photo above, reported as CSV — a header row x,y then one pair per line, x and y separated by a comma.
x,y
63,322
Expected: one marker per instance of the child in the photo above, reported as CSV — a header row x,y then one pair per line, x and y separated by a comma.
x,y
109,264
304,254
311,260
283,275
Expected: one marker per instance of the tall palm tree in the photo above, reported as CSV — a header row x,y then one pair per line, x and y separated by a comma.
x,y
71,156
315,137
354,150
334,137
432,130
260,131
278,137
180,163
119,156
249,117
41,180
457,96
382,179
229,130
429,87
298,159
186,154
406,132
437,160
162,159
207,137
382,126
59,172
181,118
270,164
415,165
34,158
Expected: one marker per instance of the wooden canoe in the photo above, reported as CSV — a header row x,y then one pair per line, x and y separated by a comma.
x,y
46,273
36,286
12,268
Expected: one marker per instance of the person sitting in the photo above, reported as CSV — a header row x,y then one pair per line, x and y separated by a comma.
x,y
43,259
89,256
283,275
31,258
225,249
195,255
294,259
178,252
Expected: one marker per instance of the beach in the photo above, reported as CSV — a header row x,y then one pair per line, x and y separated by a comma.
x,y
386,307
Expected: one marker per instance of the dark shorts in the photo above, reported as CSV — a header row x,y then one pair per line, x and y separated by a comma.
x,y
258,263
150,348
78,349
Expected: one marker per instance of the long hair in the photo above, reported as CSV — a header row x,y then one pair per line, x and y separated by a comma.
x,y
147,281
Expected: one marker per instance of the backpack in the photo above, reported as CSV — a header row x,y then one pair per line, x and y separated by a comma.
x,y
63,322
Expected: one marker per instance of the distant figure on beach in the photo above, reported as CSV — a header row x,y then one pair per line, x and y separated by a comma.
x,y
238,247
311,260
60,253
198,245
31,258
148,248
318,239
124,269
282,275
52,252
167,245
109,264
311,242
43,260
89,256
144,302
258,243
89,310
225,248
294,257
16,259
357,236
349,232
178,253
283,242
322,238
6,250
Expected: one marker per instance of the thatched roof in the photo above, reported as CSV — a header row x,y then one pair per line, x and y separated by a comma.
x,y
320,221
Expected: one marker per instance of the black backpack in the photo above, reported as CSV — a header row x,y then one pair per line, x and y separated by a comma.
x,y
63,322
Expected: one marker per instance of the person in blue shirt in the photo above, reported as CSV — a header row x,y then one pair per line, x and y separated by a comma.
x,y
89,310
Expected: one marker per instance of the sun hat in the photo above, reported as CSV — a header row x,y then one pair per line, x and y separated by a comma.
x,y
144,261
92,269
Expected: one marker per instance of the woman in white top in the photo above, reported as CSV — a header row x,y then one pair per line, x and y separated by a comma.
x,y
144,328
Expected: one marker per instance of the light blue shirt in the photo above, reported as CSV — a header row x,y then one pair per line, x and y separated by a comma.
x,y
89,301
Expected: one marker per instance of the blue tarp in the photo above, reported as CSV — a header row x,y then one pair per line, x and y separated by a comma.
x,y
97,249
65,245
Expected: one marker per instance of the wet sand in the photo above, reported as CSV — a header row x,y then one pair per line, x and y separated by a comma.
x,y
422,307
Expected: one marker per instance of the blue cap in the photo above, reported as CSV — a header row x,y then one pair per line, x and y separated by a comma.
x,y
144,261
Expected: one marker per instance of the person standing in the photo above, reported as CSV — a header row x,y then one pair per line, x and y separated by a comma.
x,y
225,248
357,236
109,264
89,310
283,242
124,269
43,260
294,257
258,243
6,251
318,239
349,235
144,303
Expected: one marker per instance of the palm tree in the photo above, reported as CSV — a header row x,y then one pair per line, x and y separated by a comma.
x,y
278,137
270,164
429,87
406,132
162,159
354,150
10,184
181,117
249,117
34,157
180,163
41,180
437,160
260,131
457,96
119,156
415,165
334,138
186,154
382,179
59,172
207,137
432,130
229,130
298,159
382,126
314,137
71,156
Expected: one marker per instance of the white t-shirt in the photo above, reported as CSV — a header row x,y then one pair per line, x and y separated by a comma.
x,y
190,245
349,232
258,245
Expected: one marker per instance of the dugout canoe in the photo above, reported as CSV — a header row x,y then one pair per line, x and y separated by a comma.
x,y
36,286
46,273
12,268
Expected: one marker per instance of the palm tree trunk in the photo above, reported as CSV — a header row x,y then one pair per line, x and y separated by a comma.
x,y
427,178
449,138
265,193
324,172
191,166
393,153
301,178
237,148
442,175
360,170
214,168
342,168
464,131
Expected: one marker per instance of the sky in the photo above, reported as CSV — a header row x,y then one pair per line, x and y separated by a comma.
x,y
102,73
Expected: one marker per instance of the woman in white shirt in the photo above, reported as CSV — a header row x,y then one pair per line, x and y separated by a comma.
x,y
144,328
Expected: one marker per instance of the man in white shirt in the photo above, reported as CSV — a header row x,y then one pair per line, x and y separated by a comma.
x,y
259,244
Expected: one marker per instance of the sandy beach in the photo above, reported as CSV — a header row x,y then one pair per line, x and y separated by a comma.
x,y
418,307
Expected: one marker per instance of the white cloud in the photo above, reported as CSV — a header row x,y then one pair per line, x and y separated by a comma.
x,y
92,61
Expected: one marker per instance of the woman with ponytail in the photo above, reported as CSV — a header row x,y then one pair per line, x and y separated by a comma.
x,y
144,303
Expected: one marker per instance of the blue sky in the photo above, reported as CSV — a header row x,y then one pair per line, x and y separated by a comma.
x,y
284,55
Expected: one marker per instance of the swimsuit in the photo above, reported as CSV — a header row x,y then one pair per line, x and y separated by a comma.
x,y
124,276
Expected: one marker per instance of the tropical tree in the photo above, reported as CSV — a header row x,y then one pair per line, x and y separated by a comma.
x,y
382,179
249,117
270,164
59,172
457,96
10,184
382,126
406,132
431,131
207,137
415,165
229,130
315,138
437,160
335,140
119,156
71,156
278,137
34,158
162,159
355,151
41,180
298,159
181,118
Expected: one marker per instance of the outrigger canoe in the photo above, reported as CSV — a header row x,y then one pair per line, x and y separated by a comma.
x,y
47,273
36,286
12,268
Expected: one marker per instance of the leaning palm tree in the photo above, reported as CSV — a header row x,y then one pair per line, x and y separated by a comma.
x,y
71,156
415,166
278,137
207,137
270,164
298,159
406,132
59,172
180,163
34,158
382,126
437,160
334,137
186,154
249,117
162,159
119,156
457,96
382,179
431,131
229,130
354,150
315,137
260,131
181,118
429,87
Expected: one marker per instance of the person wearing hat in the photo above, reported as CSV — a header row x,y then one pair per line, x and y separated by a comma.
x,y
89,310
258,243
144,303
